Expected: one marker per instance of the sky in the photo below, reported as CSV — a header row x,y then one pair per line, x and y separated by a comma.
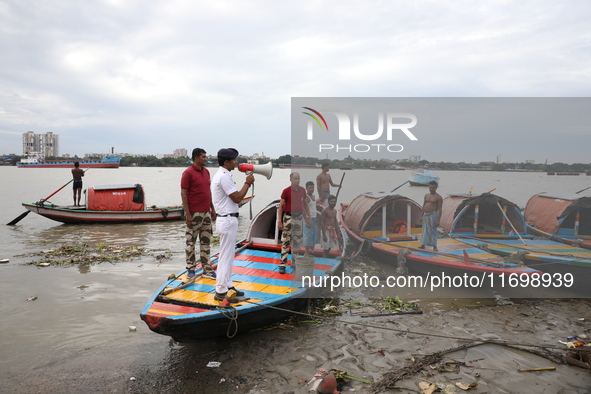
x,y
148,77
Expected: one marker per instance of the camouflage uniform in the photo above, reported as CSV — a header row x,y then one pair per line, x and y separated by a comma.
x,y
201,227
292,231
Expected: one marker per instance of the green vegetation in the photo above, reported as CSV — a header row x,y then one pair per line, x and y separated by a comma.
x,y
482,166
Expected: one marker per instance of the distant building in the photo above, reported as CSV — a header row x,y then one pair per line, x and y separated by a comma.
x,y
47,144
182,152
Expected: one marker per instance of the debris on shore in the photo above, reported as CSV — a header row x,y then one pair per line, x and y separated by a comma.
x,y
76,254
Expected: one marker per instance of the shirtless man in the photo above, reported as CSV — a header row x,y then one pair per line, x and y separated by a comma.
x,y
329,228
77,174
431,216
323,184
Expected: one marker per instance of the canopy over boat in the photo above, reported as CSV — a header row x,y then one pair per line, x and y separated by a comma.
x,y
383,215
486,215
562,214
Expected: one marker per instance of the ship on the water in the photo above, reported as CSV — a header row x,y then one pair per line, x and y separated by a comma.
x,y
37,161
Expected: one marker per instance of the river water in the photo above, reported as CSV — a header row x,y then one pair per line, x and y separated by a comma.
x,y
78,308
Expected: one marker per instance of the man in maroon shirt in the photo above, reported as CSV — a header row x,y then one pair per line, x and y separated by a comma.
x,y
199,212
289,219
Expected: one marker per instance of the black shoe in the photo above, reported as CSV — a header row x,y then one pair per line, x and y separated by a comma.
x,y
238,292
219,297
282,269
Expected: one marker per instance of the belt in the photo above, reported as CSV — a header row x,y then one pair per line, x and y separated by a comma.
x,y
235,215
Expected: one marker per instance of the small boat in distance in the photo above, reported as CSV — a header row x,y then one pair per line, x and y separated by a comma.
x,y
422,177
562,217
35,160
108,204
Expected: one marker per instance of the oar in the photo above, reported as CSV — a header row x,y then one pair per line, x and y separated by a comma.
x,y
583,190
340,185
22,215
402,184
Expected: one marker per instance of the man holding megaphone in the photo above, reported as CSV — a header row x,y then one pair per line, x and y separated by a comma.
x,y
226,196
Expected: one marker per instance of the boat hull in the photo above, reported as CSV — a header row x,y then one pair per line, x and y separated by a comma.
x,y
83,216
423,177
547,256
562,217
192,314
455,258
70,165
188,311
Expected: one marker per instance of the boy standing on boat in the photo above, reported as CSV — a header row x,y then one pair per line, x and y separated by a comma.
x,y
323,183
199,212
77,174
289,219
431,216
225,198
311,227
329,228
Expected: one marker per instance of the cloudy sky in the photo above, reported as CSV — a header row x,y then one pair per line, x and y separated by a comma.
x,y
153,76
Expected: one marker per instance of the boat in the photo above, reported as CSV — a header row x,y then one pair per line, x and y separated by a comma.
x,y
422,177
391,168
378,224
108,204
475,220
35,160
562,217
185,309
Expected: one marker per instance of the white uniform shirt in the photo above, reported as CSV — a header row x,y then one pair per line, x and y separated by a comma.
x,y
222,185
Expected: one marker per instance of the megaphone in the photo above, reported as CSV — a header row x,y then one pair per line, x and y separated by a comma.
x,y
263,169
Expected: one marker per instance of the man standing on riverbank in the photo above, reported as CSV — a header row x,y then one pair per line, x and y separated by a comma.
x,y
199,212
226,197
323,184
431,216
77,174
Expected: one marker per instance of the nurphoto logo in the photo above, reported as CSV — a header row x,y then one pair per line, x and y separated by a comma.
x,y
392,121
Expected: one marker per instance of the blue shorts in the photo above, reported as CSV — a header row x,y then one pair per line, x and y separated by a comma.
x,y
77,185
311,234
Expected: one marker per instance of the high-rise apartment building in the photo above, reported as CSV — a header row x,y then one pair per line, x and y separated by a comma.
x,y
47,144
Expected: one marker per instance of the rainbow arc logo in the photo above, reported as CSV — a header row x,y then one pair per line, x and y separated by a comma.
x,y
316,118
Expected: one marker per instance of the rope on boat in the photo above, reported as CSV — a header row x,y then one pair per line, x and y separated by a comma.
x,y
483,246
578,242
232,314
401,260
518,258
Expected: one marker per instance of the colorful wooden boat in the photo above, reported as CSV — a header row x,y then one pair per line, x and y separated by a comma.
x,y
484,216
562,217
378,223
38,162
187,311
422,177
108,204
474,220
